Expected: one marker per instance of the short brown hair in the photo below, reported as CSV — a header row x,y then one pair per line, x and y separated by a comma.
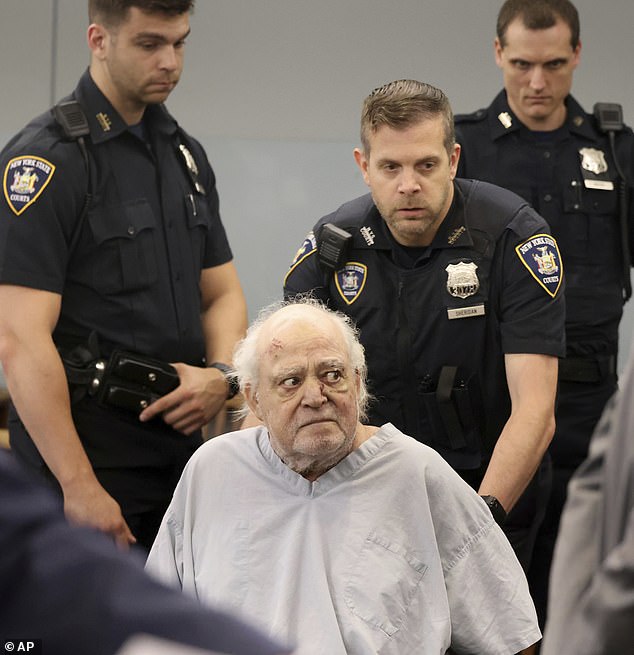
x,y
403,103
112,13
539,15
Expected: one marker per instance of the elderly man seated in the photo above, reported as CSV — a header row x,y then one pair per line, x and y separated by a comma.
x,y
341,537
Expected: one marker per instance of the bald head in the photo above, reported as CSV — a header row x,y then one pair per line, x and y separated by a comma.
x,y
263,338
302,371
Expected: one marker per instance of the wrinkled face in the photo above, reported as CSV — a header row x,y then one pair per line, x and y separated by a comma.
x,y
410,175
142,58
538,66
307,395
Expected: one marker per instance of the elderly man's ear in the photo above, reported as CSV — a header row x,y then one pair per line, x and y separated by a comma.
x,y
251,397
253,418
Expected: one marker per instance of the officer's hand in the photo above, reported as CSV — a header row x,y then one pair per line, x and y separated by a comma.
x,y
199,397
88,503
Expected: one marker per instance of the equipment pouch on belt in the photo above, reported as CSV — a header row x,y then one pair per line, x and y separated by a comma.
x,y
133,382
453,411
160,377
125,380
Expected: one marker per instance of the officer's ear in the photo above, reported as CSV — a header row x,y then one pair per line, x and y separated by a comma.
x,y
362,163
454,158
497,49
576,56
97,37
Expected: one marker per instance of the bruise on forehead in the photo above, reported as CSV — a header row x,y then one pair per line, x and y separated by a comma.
x,y
274,347
295,325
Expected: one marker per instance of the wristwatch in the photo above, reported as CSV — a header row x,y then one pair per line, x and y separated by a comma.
x,y
232,381
495,506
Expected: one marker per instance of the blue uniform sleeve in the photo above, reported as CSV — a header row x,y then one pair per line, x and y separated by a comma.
x,y
44,192
532,304
305,276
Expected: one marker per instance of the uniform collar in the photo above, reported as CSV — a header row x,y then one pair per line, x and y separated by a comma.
x,y
372,233
578,121
103,119
503,121
453,232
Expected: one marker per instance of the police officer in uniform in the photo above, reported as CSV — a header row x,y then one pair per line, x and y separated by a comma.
x,y
574,169
456,287
114,264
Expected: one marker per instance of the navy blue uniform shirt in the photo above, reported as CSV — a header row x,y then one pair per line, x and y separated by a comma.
x,y
133,275
489,284
128,270
569,176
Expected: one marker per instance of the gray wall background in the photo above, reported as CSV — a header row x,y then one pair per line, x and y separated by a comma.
x,y
273,89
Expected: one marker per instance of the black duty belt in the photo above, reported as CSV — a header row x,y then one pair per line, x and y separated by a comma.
x,y
587,369
124,380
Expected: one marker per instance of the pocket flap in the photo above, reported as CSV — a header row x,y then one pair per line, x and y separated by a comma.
x,y
121,221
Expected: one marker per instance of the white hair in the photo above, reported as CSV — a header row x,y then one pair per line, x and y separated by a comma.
x,y
246,361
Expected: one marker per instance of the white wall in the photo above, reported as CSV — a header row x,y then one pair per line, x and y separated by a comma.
x,y
273,88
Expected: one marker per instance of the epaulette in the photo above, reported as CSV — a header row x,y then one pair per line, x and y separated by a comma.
x,y
474,117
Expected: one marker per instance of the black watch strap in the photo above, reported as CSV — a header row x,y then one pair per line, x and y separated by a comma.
x,y
230,377
498,512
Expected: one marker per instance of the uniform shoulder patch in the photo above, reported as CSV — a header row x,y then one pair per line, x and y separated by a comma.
x,y
25,178
540,255
308,247
350,281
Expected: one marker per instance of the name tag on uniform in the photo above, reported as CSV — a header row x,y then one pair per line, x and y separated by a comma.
x,y
465,312
599,184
